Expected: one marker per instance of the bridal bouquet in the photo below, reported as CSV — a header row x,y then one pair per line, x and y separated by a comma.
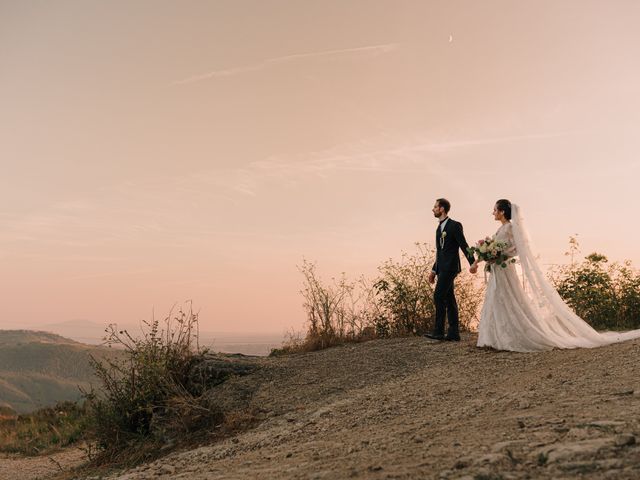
x,y
491,251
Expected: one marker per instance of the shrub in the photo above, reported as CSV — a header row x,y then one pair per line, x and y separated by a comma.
x,y
336,312
399,301
405,296
605,295
149,393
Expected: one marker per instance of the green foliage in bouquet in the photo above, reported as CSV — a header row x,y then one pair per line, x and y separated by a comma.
x,y
492,252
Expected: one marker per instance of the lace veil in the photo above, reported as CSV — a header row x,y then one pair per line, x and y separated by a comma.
x,y
555,317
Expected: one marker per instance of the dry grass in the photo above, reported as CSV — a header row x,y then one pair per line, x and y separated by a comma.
x,y
397,303
44,430
149,398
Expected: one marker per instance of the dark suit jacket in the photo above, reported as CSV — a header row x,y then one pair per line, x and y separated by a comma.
x,y
447,256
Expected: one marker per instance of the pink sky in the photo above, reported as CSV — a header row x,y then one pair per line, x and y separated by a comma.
x,y
154,152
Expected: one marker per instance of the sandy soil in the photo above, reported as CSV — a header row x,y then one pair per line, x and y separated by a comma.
x,y
15,467
412,408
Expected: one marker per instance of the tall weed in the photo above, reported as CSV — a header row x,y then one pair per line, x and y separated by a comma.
x,y
398,301
150,393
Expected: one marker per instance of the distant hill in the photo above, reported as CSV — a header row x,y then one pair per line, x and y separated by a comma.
x,y
38,369
83,331
87,332
16,337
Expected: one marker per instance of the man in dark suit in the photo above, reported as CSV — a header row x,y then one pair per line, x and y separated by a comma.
x,y
449,238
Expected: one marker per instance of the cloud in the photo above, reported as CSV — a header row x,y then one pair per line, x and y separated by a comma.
x,y
174,212
371,50
405,156
117,273
456,144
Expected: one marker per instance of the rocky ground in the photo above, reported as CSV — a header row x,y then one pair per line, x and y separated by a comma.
x,y
413,408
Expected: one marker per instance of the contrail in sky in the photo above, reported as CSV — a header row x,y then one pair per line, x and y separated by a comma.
x,y
368,50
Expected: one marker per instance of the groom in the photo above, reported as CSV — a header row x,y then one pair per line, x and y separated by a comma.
x,y
449,238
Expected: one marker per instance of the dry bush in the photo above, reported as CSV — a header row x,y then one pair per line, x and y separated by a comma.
x,y
148,395
337,312
399,301
239,420
470,296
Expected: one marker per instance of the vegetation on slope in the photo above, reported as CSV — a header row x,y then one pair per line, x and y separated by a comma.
x,y
38,369
44,430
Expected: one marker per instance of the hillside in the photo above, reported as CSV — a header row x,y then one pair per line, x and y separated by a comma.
x,y
38,369
255,343
18,337
409,408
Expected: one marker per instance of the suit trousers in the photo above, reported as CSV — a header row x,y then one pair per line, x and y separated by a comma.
x,y
446,305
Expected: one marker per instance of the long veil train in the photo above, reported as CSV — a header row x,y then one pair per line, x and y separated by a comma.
x,y
561,326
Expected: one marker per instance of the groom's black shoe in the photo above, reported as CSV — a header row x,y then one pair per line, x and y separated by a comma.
x,y
452,339
434,336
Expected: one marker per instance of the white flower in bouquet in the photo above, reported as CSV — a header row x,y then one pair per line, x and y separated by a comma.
x,y
492,252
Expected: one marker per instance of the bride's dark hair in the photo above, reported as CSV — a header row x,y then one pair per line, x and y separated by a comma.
x,y
504,206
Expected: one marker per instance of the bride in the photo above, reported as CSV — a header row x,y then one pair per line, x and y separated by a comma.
x,y
533,316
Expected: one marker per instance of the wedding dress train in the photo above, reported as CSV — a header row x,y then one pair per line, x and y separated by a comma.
x,y
528,315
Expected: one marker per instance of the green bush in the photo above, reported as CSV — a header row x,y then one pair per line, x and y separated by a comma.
x,y
150,393
399,300
404,295
607,295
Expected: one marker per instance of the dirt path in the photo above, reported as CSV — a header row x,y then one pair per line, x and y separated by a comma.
x,y
14,467
410,408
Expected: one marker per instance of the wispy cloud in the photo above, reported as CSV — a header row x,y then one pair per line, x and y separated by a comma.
x,y
399,157
370,50
117,273
175,212
456,144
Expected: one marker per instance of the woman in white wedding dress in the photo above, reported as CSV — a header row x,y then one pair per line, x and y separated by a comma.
x,y
533,316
